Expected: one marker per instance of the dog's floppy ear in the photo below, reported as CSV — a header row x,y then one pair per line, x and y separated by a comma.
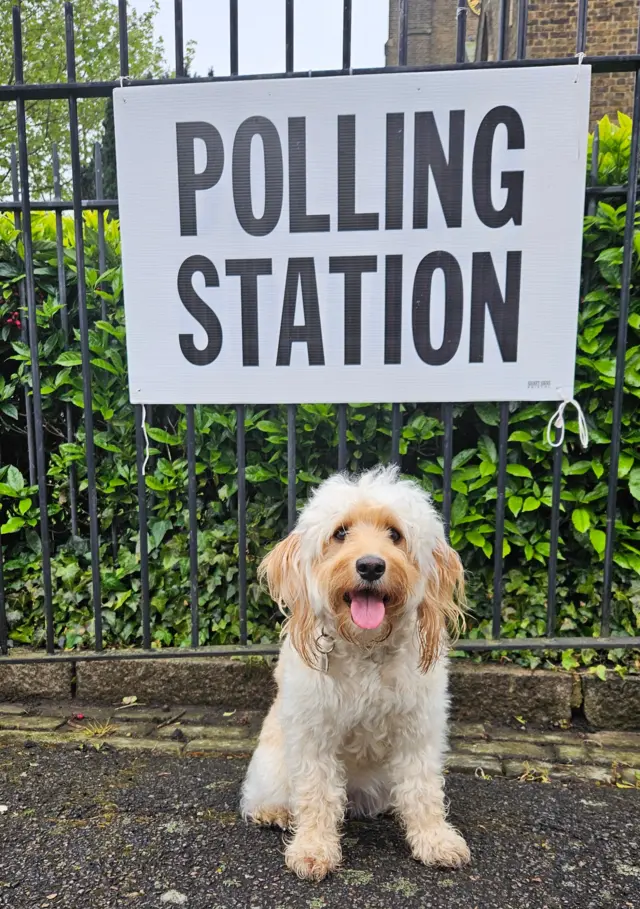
x,y
442,609
282,571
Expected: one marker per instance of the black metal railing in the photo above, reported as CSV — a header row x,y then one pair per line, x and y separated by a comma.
x,y
20,93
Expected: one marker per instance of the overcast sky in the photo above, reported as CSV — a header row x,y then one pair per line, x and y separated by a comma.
x,y
318,33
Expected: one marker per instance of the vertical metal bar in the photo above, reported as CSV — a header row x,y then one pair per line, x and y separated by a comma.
x,y
291,466
618,393
142,524
498,559
396,431
502,29
347,19
595,167
555,537
64,314
447,409
403,33
193,523
102,248
447,455
138,409
291,408
461,31
4,627
581,31
124,38
500,508
242,521
342,437
403,56
523,22
41,467
556,488
289,22
347,16
179,32
92,495
191,425
233,36
24,327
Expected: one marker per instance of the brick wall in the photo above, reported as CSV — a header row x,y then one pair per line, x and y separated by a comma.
x,y
551,32
432,32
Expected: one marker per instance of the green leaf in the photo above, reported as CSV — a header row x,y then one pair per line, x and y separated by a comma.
x,y
15,479
24,505
518,470
476,538
10,410
530,504
13,524
488,413
515,505
581,519
598,540
69,358
160,435
520,436
634,483
459,509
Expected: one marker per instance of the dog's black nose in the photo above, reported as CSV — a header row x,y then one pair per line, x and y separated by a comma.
x,y
370,568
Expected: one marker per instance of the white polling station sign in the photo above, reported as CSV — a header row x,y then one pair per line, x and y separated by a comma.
x,y
384,237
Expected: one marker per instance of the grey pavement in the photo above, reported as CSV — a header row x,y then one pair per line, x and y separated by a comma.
x,y
87,829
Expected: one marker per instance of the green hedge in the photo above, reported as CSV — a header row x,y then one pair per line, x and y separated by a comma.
x,y
526,546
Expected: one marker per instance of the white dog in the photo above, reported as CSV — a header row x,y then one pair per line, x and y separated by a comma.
x,y
368,584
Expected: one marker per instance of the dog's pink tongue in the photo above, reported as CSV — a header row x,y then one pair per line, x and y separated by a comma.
x,y
367,610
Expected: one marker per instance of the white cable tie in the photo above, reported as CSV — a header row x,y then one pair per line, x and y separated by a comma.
x,y
146,440
460,11
580,57
557,421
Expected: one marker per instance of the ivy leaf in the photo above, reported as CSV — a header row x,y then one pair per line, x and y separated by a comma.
x,y
581,520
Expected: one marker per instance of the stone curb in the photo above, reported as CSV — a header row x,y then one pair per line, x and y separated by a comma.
x,y
483,693
483,750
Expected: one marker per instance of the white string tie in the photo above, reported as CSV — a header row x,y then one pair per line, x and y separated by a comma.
x,y
143,418
557,421
580,57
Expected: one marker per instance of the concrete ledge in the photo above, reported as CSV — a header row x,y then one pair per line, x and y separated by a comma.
x,y
614,704
497,694
215,682
480,693
38,680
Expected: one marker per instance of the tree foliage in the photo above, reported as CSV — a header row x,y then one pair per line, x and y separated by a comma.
x,y
97,59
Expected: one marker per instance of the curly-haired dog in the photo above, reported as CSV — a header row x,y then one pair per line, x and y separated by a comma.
x,y
369,585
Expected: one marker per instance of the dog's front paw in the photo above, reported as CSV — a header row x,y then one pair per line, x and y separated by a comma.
x,y
439,845
312,859
271,816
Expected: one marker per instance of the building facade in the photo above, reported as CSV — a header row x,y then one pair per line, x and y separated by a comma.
x,y
612,28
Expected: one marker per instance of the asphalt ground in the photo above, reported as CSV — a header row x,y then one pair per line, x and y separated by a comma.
x,y
87,829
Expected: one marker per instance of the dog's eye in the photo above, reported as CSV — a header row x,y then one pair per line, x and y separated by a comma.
x,y
395,535
340,535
